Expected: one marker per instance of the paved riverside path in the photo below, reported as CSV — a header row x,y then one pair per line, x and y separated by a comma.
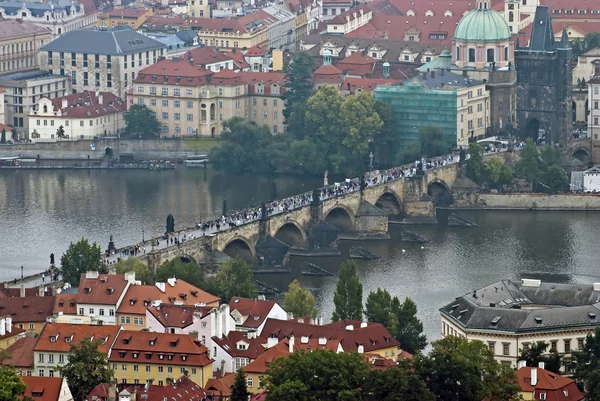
x,y
236,219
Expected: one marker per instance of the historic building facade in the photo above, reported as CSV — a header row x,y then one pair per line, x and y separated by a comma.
x,y
20,42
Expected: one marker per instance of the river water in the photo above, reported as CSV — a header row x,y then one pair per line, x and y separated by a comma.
x,y
41,212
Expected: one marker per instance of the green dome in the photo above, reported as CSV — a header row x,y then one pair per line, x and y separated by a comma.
x,y
482,25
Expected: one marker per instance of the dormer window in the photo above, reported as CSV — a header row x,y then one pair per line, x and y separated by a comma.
x,y
52,339
153,341
161,356
174,343
110,290
122,354
61,304
72,304
183,296
170,357
132,302
146,303
87,290
184,357
104,340
373,342
194,293
68,339
135,355
153,78
126,340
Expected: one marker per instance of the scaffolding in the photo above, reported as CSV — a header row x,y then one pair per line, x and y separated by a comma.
x,y
417,106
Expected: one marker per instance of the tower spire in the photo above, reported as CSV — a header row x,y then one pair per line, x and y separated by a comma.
x,y
564,40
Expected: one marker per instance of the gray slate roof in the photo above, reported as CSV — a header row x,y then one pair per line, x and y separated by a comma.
x,y
37,8
542,37
510,306
115,42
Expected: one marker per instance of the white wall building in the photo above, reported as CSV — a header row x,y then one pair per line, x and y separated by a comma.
x,y
281,32
593,120
252,314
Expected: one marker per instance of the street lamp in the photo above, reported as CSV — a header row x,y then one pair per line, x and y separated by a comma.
x,y
143,240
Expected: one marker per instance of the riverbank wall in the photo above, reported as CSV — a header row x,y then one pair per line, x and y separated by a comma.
x,y
537,201
141,149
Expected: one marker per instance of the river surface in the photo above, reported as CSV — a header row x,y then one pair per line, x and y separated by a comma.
x,y
41,212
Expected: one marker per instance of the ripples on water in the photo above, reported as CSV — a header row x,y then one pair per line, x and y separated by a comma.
x,y
42,211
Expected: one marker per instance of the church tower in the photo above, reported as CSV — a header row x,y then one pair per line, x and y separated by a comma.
x,y
512,14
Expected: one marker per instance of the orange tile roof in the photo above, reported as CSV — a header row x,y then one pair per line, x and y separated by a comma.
x,y
42,388
59,337
254,51
104,290
177,315
27,309
86,105
238,58
229,344
221,385
21,353
254,310
261,364
314,343
127,12
175,349
65,303
189,74
549,383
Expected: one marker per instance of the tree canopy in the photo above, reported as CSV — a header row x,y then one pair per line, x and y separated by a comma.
x,y
79,258
431,139
142,272
235,279
87,367
300,301
586,366
348,294
396,384
140,120
536,354
239,391
187,270
299,87
543,170
475,167
11,385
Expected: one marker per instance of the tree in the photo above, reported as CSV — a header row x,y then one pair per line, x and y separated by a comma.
x,y
3,137
142,272
239,391
300,301
475,167
319,375
348,294
140,120
387,141
410,329
35,134
535,354
11,385
432,141
552,175
461,370
361,124
323,115
60,132
586,366
187,270
235,279
497,173
528,165
87,367
379,308
299,86
396,384
79,258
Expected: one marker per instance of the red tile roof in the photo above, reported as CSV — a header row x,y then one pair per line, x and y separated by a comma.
x,y
254,346
254,52
221,385
357,64
106,289
183,389
261,364
59,337
6,128
238,59
27,309
373,337
189,73
157,23
255,311
87,105
328,74
207,55
181,348
311,344
127,12
177,315
65,303
21,353
42,388
267,79
366,84
16,291
549,383
341,18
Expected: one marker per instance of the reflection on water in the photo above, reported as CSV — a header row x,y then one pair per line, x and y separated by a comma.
x,y
42,211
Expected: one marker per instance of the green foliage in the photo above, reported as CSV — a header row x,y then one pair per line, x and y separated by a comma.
x,y
475,168
535,354
582,45
409,153
323,115
432,141
319,375
79,258
11,385
35,134
300,301
362,124
299,87
379,308
461,370
235,279
3,137
87,367
387,141
60,132
142,272
396,384
497,173
586,366
140,120
543,170
187,271
528,165
348,294
239,391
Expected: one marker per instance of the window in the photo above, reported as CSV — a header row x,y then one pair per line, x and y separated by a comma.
x,y
111,312
177,103
91,309
61,358
51,373
136,368
177,116
241,362
275,102
189,104
490,55
51,358
470,109
81,309
101,312
543,396
41,358
165,115
492,346
580,343
275,129
165,103
85,78
568,346
553,345
165,91
249,382
189,117
188,92
479,106
505,349
85,60
124,368
170,369
152,102
73,77
160,369
471,55
153,90
41,372
595,105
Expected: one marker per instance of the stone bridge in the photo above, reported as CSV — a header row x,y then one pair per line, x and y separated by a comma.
x,y
314,229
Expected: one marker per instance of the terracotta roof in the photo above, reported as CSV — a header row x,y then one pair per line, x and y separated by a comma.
x,y
42,388
373,337
157,23
149,347
183,389
16,28
254,346
8,128
549,383
575,6
27,309
259,397
266,79
106,289
254,52
174,71
377,362
221,385
311,344
261,364
14,332
327,70
65,303
357,64
59,337
341,18
255,311
227,77
127,12
139,297
87,105
243,24
328,74
238,59
16,291
207,55
177,315
21,353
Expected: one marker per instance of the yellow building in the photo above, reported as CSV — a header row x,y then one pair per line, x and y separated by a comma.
x,y
132,17
8,333
228,33
144,357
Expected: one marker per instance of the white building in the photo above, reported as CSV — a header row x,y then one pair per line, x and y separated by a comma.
x,y
83,115
593,120
236,350
509,316
251,314
281,32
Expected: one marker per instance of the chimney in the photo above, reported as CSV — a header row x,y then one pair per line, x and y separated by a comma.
x,y
349,327
22,291
172,281
129,277
161,287
424,75
271,342
92,275
542,365
432,74
361,349
522,364
533,376
101,99
363,325
2,326
291,344
65,103
9,324
41,291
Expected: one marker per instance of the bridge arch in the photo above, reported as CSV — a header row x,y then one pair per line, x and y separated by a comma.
x,y
582,154
239,246
440,193
341,217
292,234
390,203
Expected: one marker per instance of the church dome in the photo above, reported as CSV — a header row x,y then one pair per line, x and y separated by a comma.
x,y
482,25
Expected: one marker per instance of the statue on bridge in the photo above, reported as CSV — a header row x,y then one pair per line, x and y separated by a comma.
x,y
463,156
325,179
316,199
111,244
363,184
170,224
225,207
264,213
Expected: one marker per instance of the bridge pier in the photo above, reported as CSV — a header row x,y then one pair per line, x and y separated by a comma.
x,y
370,223
321,237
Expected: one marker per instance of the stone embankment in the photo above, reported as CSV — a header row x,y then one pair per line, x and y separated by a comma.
x,y
531,201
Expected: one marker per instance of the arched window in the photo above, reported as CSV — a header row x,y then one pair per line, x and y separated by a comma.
x,y
511,16
532,97
457,53
45,108
490,55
